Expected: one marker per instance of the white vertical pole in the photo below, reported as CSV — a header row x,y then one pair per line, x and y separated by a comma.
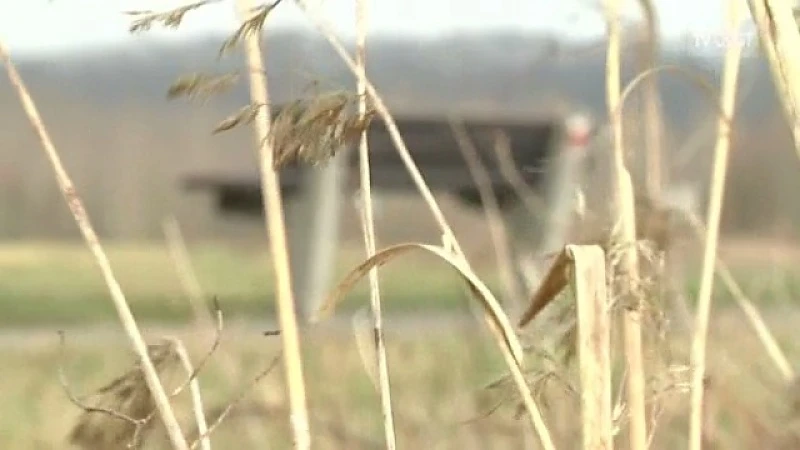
x,y
314,222
536,233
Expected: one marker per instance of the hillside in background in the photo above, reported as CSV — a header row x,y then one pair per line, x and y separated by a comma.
x,y
108,111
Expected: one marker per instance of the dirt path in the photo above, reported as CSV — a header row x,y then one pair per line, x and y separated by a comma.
x,y
105,333
782,321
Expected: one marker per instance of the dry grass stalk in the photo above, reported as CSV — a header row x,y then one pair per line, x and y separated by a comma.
x,y
219,414
499,325
589,278
273,208
750,311
196,296
778,34
194,390
650,47
176,246
760,327
719,172
625,214
508,168
369,228
496,319
81,217
494,218
391,126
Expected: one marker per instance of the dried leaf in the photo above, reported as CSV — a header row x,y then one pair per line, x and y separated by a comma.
x,y
556,280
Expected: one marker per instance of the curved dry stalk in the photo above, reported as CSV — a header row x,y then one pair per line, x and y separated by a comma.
x,y
497,320
368,220
276,228
624,205
81,218
693,76
777,31
722,147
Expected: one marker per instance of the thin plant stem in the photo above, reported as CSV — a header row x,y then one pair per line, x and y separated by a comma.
x,y
494,218
650,48
391,126
752,314
494,316
276,229
75,204
179,253
624,209
719,171
197,398
368,219
189,281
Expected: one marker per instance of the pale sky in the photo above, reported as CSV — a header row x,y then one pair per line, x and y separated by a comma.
x,y
36,26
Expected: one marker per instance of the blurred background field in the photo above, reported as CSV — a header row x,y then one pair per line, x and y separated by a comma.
x,y
55,284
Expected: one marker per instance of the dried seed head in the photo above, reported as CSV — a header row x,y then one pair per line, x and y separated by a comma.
x,y
312,131
129,397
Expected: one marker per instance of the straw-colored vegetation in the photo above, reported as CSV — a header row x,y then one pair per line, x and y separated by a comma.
x,y
609,368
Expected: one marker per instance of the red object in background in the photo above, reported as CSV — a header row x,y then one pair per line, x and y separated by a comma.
x,y
579,130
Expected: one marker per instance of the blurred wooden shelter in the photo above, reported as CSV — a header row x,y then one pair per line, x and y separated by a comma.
x,y
533,147
432,145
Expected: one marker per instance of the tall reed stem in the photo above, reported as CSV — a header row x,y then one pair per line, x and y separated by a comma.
x,y
719,172
276,229
369,232
628,277
81,217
